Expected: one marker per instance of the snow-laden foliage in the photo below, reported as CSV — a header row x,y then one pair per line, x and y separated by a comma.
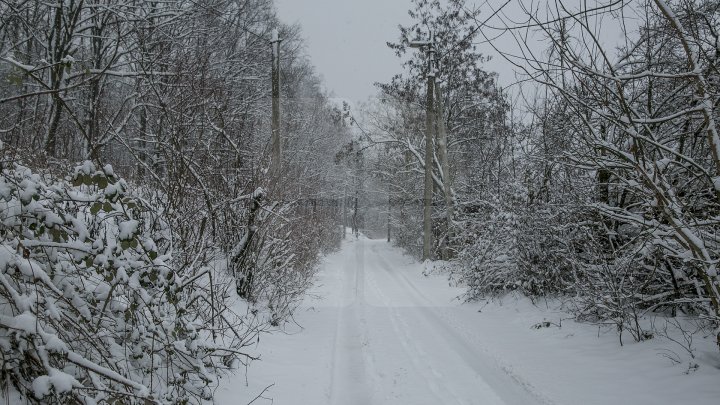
x,y
487,264
172,95
606,193
93,308
274,260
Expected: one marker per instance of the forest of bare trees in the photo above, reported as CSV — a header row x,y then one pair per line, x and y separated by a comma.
x,y
594,178
165,199
125,267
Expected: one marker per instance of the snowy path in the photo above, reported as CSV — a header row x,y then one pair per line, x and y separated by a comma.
x,y
381,333
376,331
404,339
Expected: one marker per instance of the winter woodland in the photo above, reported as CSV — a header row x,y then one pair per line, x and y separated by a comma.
x,y
174,173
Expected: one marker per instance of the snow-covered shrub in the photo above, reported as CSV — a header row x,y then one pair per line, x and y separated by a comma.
x,y
622,273
486,262
407,219
93,308
274,260
611,292
608,272
547,245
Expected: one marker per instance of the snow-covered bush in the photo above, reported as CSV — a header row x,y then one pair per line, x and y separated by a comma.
x,y
548,239
486,264
274,260
93,308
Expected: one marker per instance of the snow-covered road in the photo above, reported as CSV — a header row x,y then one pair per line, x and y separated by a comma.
x,y
397,341
378,332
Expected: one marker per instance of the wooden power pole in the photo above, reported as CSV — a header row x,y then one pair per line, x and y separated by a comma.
x,y
429,46
435,121
276,140
445,169
428,196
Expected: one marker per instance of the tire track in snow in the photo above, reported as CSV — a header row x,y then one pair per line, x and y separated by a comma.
x,y
349,382
446,331
417,357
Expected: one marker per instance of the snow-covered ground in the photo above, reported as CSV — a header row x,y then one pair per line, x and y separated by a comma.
x,y
377,331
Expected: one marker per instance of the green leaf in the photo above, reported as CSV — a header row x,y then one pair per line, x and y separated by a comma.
x,y
15,79
95,208
100,180
153,255
107,207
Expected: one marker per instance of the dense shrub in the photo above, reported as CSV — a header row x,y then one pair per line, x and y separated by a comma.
x,y
93,307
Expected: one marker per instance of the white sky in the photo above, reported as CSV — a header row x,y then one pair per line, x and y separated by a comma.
x,y
346,41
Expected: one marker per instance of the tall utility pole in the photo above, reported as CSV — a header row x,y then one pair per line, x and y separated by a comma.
x,y
445,169
389,213
429,46
276,140
344,212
